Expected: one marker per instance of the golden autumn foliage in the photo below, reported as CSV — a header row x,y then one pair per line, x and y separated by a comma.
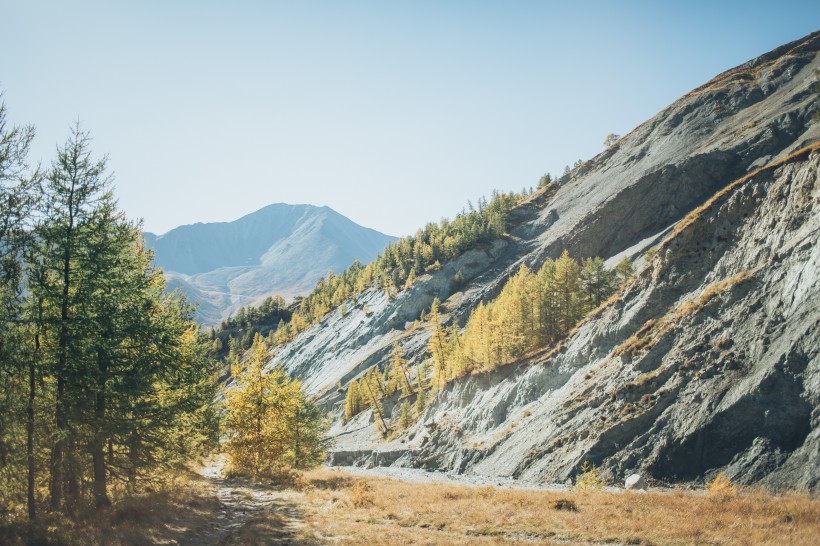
x,y
271,427
533,310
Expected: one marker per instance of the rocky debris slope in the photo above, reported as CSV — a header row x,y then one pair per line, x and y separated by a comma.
x,y
707,361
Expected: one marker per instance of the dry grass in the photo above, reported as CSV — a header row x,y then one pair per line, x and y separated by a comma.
x,y
334,507
411,513
649,334
184,502
720,195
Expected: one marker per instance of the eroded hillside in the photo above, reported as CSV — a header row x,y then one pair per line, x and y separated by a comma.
x,y
708,360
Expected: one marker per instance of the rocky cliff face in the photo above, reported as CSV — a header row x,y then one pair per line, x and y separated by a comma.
x,y
710,358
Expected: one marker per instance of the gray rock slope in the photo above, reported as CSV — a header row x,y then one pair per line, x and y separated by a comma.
x,y
279,249
708,361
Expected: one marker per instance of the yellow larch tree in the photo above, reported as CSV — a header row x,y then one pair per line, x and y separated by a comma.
x,y
260,411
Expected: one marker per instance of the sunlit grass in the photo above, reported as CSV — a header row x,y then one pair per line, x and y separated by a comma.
x,y
411,513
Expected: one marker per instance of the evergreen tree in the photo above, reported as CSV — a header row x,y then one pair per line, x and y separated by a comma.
x,y
438,347
531,311
309,428
421,401
400,372
75,187
17,200
353,402
406,415
373,391
597,282
624,270
568,288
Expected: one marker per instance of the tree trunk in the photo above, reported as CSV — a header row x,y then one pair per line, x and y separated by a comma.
x,y
100,490
56,462
32,386
98,444
72,475
133,460
61,421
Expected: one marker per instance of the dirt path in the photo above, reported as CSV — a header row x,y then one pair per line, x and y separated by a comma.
x,y
248,513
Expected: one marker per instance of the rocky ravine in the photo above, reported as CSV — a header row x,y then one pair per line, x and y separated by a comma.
x,y
708,361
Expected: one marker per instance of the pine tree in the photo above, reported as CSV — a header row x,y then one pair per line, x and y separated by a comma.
x,y
597,282
624,270
75,187
352,401
17,199
406,415
400,371
568,288
421,401
438,347
308,437
373,392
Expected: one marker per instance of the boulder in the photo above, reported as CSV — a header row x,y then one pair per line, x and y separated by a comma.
x,y
635,481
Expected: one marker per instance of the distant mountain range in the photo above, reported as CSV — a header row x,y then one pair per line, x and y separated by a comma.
x,y
280,249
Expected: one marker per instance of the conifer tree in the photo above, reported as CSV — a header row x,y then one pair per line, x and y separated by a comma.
x,y
596,280
624,270
406,415
258,411
438,347
568,288
75,187
421,401
373,392
353,404
531,311
400,371
17,200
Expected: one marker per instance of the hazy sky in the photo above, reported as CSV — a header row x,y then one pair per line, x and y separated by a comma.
x,y
394,114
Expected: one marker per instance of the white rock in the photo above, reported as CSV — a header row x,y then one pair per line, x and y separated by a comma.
x,y
635,481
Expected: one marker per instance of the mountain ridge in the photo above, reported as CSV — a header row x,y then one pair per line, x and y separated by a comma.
x,y
279,249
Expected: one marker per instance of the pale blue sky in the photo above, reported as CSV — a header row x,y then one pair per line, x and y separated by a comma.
x,y
392,113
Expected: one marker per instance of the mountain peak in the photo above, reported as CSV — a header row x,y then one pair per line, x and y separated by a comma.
x,y
279,249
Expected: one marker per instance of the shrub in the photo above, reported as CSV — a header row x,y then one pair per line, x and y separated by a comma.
x,y
361,495
564,504
590,477
721,486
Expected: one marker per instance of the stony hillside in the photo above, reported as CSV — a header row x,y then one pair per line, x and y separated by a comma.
x,y
708,360
279,249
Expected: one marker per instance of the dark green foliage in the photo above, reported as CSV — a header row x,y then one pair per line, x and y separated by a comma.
x,y
267,317
109,379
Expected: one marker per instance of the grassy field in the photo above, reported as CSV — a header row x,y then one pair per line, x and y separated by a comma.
x,y
333,507
382,511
